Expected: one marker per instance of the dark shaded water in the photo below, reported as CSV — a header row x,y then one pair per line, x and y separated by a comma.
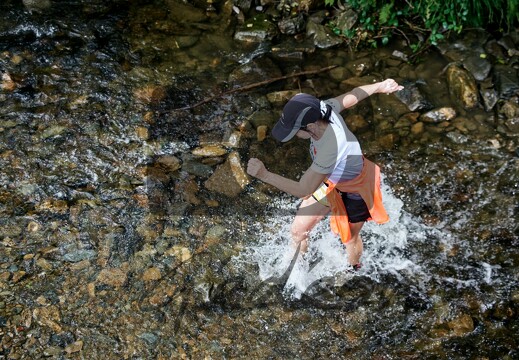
x,y
115,246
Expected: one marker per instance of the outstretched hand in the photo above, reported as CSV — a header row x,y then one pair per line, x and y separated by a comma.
x,y
256,168
388,86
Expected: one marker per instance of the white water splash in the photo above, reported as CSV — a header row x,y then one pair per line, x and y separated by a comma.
x,y
326,259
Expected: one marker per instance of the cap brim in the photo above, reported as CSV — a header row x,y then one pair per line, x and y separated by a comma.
x,y
282,133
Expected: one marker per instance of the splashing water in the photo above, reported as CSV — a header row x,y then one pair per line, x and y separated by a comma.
x,y
326,259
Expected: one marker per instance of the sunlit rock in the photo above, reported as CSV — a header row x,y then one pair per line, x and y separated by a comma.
x,y
37,5
210,151
461,325
261,132
281,97
417,128
48,316
6,83
113,277
150,94
152,274
462,87
438,115
181,253
229,178
75,347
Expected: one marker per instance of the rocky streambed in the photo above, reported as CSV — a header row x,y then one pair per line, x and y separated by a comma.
x,y
124,221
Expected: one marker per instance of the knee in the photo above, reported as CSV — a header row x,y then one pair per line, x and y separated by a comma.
x,y
298,233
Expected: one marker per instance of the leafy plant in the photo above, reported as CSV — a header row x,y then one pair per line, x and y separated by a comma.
x,y
434,19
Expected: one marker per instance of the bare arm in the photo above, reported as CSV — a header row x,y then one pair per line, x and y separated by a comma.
x,y
362,92
308,183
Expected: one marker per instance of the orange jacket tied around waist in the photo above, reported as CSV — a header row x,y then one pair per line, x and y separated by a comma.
x,y
367,185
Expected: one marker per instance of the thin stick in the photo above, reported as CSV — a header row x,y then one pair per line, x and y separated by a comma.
x,y
255,85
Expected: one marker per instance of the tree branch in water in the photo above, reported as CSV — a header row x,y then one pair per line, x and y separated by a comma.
x,y
255,85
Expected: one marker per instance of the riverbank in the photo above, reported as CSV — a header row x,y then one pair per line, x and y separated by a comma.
x,y
130,230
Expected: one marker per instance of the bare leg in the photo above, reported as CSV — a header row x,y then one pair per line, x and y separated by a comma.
x,y
308,215
354,247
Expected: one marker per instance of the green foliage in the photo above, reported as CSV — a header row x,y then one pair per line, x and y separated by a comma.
x,y
434,19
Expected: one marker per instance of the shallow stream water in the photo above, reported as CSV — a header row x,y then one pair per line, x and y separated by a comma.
x,y
113,245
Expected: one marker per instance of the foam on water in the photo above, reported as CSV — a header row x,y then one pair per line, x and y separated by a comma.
x,y
326,259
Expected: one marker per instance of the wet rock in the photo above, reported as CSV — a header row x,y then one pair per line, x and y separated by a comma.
x,y
506,80
461,325
216,232
465,125
150,338
53,351
412,97
75,347
152,274
359,81
356,123
210,151
37,5
279,98
254,71
6,83
388,141
169,163
322,36
256,29
197,169
181,253
263,117
293,25
17,276
417,128
79,255
142,133
513,125
438,115
489,97
262,132
48,316
181,12
456,137
229,178
339,73
462,87
360,67
113,277
188,190
292,50
150,94
478,65
346,20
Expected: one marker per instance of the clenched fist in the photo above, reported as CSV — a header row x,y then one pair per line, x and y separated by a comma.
x,y
256,168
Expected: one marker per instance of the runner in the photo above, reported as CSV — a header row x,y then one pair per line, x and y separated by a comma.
x,y
339,179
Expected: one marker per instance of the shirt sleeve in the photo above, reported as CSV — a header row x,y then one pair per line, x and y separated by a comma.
x,y
334,103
